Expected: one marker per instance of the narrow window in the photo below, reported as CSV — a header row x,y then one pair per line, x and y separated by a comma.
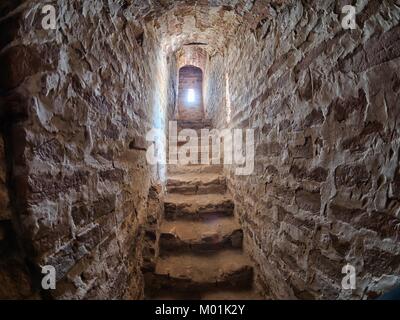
x,y
191,96
190,93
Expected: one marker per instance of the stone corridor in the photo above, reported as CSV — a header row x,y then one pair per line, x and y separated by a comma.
x,y
84,82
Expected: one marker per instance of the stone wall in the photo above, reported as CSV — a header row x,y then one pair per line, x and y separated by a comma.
x,y
323,102
79,101
15,274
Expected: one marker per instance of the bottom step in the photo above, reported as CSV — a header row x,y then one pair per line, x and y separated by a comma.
x,y
231,295
226,269
209,295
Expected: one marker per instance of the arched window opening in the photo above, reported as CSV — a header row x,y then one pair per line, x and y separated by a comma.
x,y
190,94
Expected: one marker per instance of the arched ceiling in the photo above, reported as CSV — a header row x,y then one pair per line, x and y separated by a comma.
x,y
207,23
210,27
150,9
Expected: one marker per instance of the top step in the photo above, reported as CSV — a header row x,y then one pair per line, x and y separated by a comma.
x,y
194,168
194,124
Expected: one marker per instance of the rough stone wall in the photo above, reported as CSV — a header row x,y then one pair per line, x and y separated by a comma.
x,y
214,90
78,103
15,274
323,102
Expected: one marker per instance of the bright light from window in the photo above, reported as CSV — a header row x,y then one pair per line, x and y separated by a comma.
x,y
191,97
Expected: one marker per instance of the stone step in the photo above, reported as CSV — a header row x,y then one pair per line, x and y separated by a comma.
x,y
194,124
202,134
194,162
226,269
196,236
201,145
175,146
194,168
199,153
231,295
216,294
197,206
195,183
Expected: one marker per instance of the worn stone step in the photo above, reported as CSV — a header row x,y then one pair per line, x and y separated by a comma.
x,y
231,295
194,124
175,145
168,294
181,138
200,154
197,206
182,162
195,183
195,236
194,168
247,294
226,269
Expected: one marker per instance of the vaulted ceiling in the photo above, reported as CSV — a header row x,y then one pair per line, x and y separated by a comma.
x,y
207,23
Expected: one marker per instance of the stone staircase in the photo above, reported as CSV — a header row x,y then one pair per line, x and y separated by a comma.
x,y
200,242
